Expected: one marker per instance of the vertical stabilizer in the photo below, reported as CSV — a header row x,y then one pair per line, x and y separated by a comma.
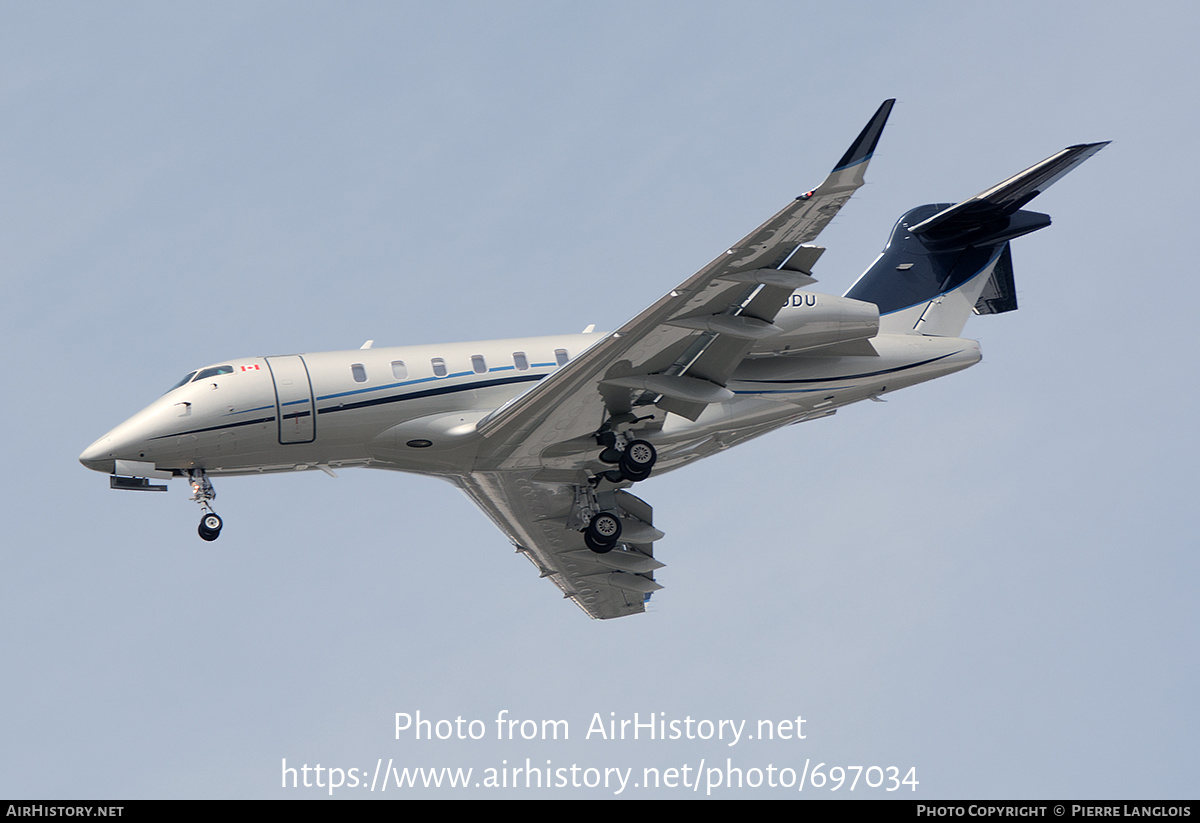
x,y
944,262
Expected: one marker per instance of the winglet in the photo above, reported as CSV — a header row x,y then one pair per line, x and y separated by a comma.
x,y
864,145
851,170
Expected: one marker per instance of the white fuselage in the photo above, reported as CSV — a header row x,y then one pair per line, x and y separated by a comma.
x,y
397,408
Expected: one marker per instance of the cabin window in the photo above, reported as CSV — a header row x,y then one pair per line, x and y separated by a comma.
x,y
360,372
439,366
478,364
520,361
560,357
399,370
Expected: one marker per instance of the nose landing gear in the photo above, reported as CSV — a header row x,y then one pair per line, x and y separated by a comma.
x,y
203,492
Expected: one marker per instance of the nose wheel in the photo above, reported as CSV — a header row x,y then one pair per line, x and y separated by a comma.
x,y
204,493
210,526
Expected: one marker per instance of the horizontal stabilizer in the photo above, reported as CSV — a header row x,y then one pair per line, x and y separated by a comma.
x,y
1004,199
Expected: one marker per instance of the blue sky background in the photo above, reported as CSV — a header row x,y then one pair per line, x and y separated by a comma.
x,y
991,578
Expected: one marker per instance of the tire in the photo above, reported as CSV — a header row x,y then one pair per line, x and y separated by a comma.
x,y
598,548
638,460
604,530
639,455
210,527
635,477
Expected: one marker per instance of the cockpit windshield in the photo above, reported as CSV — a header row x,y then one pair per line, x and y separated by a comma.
x,y
211,371
214,371
187,379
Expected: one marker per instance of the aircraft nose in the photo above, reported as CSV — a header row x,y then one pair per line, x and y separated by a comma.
x,y
98,456
127,441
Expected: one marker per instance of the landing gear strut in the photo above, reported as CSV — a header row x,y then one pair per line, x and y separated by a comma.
x,y
203,492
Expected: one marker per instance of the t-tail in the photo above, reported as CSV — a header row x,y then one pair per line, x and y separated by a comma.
x,y
943,262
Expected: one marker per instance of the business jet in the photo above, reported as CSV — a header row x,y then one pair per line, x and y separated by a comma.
x,y
548,434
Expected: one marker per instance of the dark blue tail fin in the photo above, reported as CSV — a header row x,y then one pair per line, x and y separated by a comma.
x,y
944,262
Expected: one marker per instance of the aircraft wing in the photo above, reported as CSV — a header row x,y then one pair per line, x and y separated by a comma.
x,y
536,516
677,355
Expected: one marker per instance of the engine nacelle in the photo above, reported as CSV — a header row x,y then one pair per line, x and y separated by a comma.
x,y
810,320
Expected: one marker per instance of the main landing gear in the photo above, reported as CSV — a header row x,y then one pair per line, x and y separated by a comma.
x,y
634,458
203,492
596,513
